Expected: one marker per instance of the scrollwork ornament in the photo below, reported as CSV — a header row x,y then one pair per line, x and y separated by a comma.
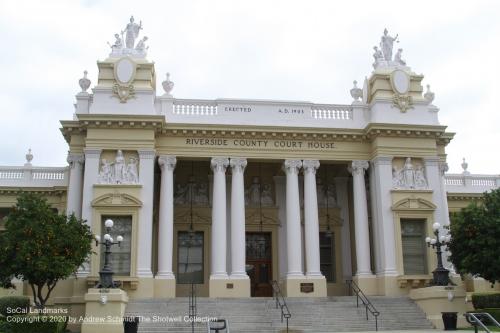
x,y
124,93
219,164
292,166
402,102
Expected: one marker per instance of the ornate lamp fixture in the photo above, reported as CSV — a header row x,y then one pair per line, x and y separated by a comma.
x,y
106,273
441,274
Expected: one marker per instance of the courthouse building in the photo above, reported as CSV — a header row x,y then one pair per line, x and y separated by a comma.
x,y
230,194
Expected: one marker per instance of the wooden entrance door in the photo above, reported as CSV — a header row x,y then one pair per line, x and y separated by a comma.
x,y
259,263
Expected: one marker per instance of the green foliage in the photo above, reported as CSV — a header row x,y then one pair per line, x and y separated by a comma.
x,y
40,246
475,244
13,302
486,300
35,324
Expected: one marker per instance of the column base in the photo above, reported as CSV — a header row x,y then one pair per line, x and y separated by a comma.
x,y
434,300
305,286
367,283
388,285
104,311
229,287
164,287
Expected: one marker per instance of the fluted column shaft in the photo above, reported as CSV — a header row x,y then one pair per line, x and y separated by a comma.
x,y
218,244
293,232
166,217
362,236
311,218
75,186
238,218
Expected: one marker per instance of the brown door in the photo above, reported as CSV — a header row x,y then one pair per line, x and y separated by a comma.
x,y
259,263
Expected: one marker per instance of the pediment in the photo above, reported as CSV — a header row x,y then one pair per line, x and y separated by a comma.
x,y
414,204
116,199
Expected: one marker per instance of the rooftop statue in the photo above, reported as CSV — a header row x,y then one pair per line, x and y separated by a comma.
x,y
130,48
386,44
132,29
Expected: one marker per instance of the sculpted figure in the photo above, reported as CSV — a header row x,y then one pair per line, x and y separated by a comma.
x,y
120,171
378,56
201,196
105,176
398,59
420,181
397,180
267,197
132,32
331,196
132,174
118,45
254,192
386,44
180,194
141,46
408,174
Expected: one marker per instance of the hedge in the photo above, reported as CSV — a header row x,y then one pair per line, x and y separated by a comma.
x,y
486,300
13,302
33,324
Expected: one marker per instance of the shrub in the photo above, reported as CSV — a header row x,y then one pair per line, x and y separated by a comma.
x,y
34,324
484,301
495,313
13,302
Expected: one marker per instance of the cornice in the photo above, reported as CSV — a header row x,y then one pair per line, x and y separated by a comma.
x,y
437,132
53,191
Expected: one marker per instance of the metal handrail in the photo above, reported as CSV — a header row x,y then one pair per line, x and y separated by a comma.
x,y
369,307
474,318
192,305
280,302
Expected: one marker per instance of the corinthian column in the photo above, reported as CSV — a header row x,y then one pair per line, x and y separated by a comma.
x,y
166,217
362,237
238,218
311,218
293,235
75,186
218,244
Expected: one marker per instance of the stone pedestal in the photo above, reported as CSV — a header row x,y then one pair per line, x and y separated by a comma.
x,y
229,287
104,311
304,287
367,283
435,300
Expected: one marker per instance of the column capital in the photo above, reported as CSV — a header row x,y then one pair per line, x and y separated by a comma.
x,y
358,167
238,164
92,152
167,161
146,154
310,166
74,158
443,168
292,166
382,160
219,164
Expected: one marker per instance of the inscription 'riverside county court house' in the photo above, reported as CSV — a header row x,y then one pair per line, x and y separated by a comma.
x,y
259,143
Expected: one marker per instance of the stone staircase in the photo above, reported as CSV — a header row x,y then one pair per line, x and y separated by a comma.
x,y
314,315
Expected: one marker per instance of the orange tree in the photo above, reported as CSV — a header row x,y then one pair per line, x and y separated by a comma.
x,y
41,247
475,242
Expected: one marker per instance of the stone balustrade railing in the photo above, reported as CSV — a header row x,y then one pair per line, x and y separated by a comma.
x,y
471,183
29,176
193,107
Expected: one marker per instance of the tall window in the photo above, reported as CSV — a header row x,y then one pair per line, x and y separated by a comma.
x,y
327,255
414,248
120,258
190,257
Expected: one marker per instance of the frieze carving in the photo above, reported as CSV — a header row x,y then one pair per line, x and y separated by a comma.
x,y
118,171
409,177
414,204
258,194
326,194
194,191
116,199
402,102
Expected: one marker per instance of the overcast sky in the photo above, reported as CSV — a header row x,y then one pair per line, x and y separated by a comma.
x,y
287,50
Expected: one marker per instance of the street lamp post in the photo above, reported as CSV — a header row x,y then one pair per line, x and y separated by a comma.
x,y
106,273
441,274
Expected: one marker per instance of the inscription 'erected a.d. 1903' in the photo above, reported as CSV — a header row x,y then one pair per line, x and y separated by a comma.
x,y
254,143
